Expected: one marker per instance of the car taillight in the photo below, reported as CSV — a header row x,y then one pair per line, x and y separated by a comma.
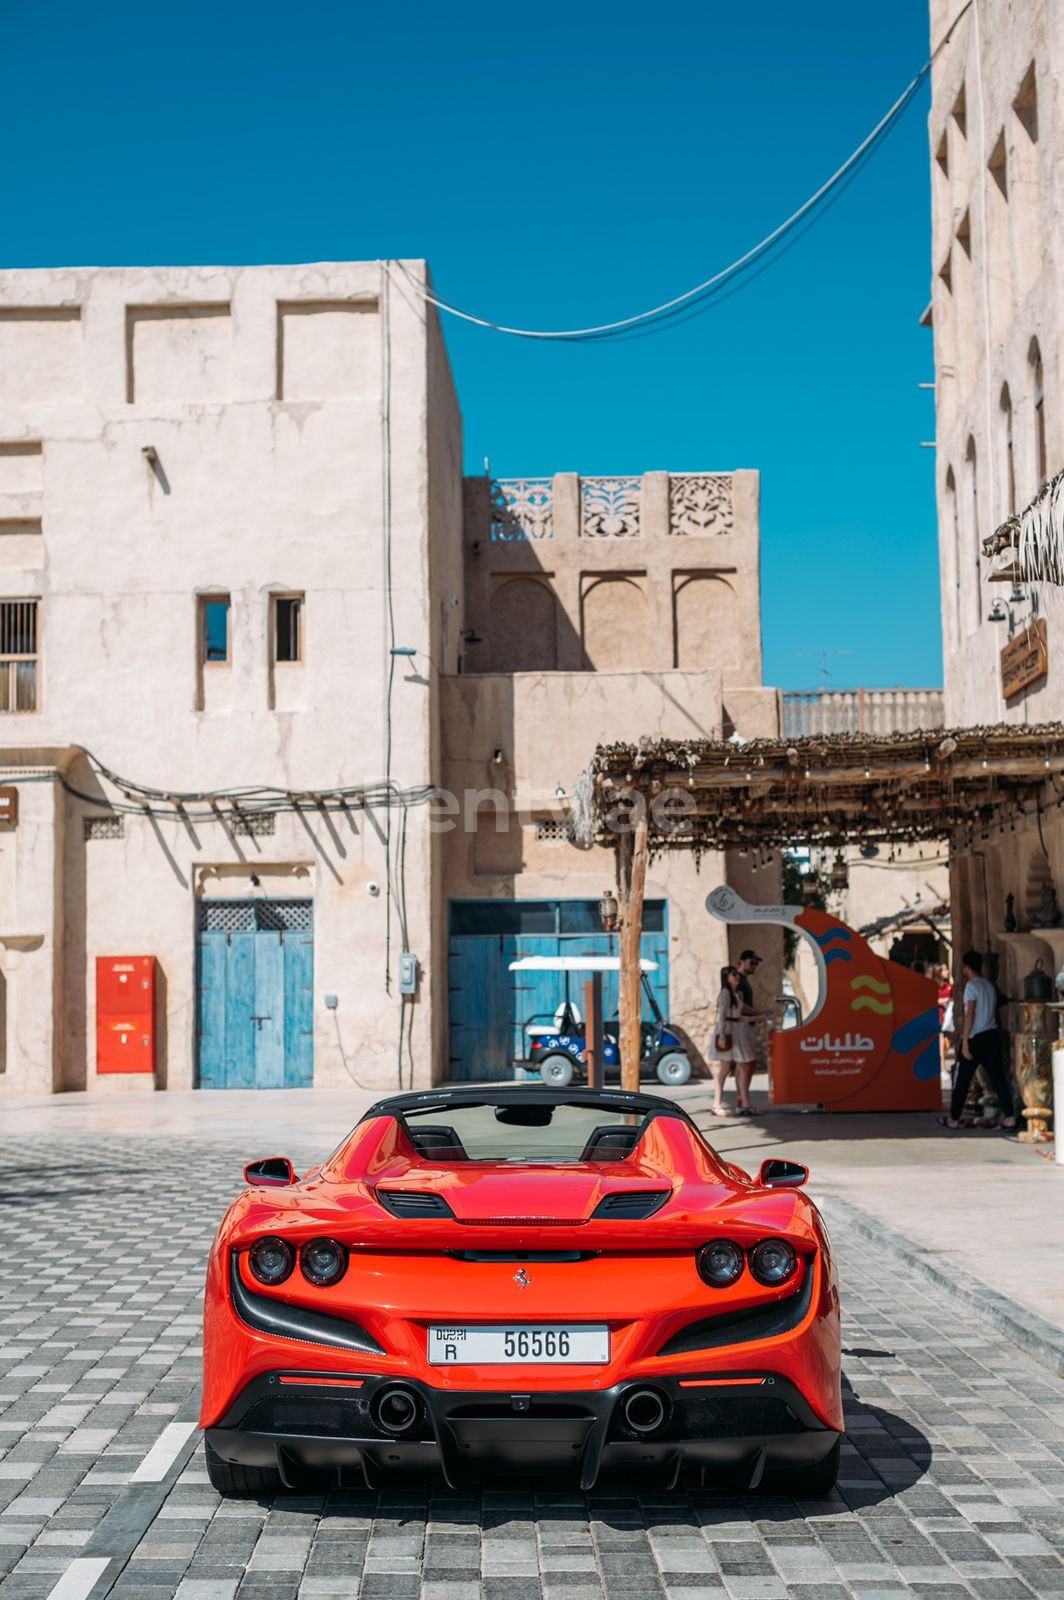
x,y
720,1263
271,1260
537,1044
772,1262
323,1261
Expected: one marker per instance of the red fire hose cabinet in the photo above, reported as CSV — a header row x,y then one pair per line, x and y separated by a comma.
x,y
125,1014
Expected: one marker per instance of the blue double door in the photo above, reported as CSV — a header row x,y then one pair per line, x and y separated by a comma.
x,y
255,994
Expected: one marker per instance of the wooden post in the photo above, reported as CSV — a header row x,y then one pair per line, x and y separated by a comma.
x,y
631,999
593,1030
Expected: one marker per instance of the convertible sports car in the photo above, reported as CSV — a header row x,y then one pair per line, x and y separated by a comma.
x,y
514,1278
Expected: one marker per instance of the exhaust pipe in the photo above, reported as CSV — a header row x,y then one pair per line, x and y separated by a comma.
x,y
644,1410
395,1409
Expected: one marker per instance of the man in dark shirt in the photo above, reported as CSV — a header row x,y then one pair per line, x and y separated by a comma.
x,y
748,964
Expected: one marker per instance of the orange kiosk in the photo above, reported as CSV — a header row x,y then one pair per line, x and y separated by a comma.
x,y
871,1042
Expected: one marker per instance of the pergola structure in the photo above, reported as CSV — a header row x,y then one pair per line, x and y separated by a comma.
x,y
764,795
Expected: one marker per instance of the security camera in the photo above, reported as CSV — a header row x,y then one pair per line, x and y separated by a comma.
x,y
373,886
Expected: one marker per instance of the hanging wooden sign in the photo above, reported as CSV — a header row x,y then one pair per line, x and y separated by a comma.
x,y
1024,660
8,806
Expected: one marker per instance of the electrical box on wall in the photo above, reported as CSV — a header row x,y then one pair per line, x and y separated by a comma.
x,y
408,973
125,1014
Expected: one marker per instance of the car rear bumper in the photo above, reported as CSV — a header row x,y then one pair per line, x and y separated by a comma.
x,y
735,1427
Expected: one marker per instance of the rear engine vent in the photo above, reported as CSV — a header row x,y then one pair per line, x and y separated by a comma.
x,y
631,1204
409,1203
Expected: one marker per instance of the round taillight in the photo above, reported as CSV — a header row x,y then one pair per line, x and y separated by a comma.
x,y
271,1260
720,1263
323,1261
772,1262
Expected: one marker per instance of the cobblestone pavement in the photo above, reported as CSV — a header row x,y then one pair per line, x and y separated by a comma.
x,y
952,1479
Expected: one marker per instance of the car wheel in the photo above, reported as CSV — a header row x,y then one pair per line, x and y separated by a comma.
x,y
557,1070
807,1483
230,1478
673,1067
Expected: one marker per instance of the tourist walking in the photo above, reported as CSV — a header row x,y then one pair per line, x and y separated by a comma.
x,y
979,1044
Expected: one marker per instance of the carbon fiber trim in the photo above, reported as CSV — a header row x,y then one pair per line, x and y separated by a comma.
x,y
742,1327
295,1322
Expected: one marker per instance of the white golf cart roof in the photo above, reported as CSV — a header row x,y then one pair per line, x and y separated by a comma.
x,y
575,964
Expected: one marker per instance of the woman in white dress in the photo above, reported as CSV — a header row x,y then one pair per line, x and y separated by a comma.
x,y
734,1043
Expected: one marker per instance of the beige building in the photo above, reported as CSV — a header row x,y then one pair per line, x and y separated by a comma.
x,y
251,620
996,137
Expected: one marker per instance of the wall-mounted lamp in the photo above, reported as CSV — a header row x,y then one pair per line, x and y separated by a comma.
x,y
608,911
402,650
840,873
471,636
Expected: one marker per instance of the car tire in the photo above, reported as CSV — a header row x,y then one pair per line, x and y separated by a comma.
x,y
230,1478
673,1068
557,1070
807,1483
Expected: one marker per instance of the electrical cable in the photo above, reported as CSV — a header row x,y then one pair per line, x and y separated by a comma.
x,y
660,313
246,801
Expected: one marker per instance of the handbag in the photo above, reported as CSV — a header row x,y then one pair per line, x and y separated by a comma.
x,y
722,1043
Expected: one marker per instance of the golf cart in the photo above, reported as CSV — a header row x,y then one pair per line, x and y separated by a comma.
x,y
555,1044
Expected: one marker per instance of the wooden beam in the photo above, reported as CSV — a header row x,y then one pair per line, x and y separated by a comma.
x,y
631,1008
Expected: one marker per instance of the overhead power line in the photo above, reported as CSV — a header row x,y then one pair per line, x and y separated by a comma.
x,y
706,290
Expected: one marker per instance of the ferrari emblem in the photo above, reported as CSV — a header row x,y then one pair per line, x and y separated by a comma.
x,y
522,1278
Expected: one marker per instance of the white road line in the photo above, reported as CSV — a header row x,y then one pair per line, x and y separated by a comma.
x,y
80,1577
162,1455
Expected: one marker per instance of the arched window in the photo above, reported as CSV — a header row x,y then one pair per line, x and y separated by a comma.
x,y
953,523
1010,454
971,466
1041,462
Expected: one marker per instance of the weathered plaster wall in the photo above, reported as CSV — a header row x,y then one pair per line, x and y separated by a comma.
x,y
546,726
996,129
260,392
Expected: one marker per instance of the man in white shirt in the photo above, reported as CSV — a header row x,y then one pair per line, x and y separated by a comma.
x,y
979,1045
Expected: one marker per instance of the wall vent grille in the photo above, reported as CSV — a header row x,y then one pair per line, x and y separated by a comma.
x,y
104,828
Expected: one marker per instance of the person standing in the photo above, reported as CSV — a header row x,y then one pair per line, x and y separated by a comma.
x,y
980,1044
727,1033
748,964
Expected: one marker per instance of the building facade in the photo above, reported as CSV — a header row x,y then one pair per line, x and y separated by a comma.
x,y
283,700
996,133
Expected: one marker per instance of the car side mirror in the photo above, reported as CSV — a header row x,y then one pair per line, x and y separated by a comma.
x,y
782,1174
275,1171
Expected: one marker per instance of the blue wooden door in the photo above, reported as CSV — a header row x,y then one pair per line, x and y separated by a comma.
x,y
255,970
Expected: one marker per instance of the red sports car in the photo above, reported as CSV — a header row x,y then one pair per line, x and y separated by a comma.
x,y
512,1278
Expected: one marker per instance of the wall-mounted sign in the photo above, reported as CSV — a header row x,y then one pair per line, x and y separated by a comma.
x,y
8,806
1024,660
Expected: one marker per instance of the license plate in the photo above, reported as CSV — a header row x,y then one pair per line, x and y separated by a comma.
x,y
522,1345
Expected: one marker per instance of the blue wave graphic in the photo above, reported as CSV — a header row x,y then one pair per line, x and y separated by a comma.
x,y
928,1063
917,1031
832,933
837,955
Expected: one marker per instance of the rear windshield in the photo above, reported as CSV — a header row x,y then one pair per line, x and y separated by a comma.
x,y
523,1131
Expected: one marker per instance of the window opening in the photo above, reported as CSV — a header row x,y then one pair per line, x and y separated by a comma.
x,y
214,628
18,655
973,505
1010,453
288,628
1038,390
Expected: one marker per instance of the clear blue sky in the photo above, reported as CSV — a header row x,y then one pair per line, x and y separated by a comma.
x,y
557,164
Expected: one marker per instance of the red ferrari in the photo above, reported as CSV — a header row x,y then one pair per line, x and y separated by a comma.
x,y
506,1278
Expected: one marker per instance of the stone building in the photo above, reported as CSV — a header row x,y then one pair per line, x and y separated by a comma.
x,y
997,310
251,620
